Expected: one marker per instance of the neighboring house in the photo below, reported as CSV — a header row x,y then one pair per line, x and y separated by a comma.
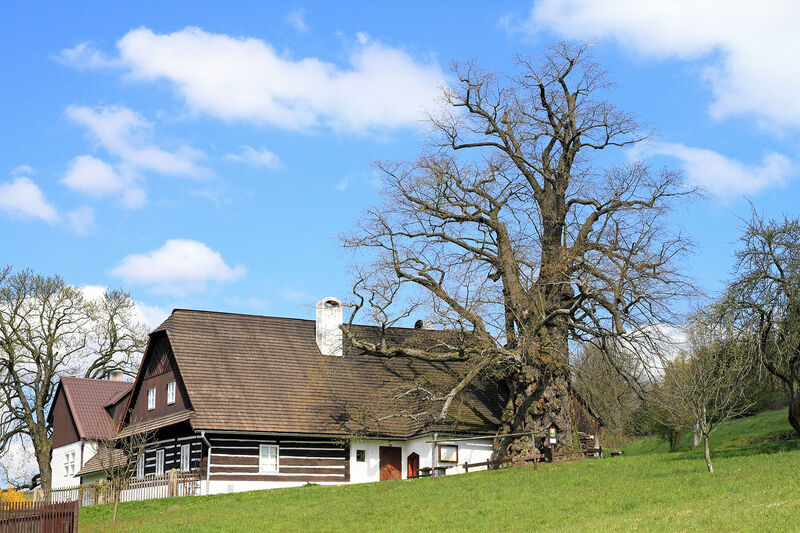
x,y
84,412
253,402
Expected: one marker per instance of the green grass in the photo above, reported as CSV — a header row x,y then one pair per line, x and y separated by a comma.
x,y
754,487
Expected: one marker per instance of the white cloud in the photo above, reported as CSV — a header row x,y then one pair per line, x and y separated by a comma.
x,y
150,315
720,175
297,20
126,134
81,220
18,463
85,56
91,176
133,198
255,156
23,198
749,51
344,183
247,79
23,170
179,267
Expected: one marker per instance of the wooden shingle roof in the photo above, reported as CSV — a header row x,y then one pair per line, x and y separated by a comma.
x,y
266,374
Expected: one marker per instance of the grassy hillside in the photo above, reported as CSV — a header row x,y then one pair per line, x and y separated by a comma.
x,y
754,488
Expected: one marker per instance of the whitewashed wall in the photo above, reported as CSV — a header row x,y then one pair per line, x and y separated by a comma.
x,y
476,451
60,479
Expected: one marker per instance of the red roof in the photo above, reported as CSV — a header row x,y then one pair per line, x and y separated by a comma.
x,y
87,399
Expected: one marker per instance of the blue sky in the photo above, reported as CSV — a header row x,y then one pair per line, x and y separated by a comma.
x,y
207,155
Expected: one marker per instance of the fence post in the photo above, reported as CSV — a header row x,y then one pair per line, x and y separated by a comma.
x,y
173,483
37,495
75,511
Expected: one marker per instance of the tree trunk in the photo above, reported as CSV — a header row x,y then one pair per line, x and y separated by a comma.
x,y
116,504
696,435
538,399
42,452
708,454
794,405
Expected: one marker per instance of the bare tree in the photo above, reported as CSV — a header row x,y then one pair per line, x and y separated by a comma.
x,y
48,329
763,301
120,455
508,230
614,398
704,387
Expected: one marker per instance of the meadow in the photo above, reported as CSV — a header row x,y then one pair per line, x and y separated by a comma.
x,y
755,487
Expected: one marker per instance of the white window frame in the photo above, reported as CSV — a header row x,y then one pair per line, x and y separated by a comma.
x,y
170,393
186,450
160,462
69,464
140,466
151,399
263,464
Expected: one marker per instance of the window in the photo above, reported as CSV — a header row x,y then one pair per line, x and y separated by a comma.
x,y
268,458
361,455
185,451
69,464
159,462
151,399
140,465
170,393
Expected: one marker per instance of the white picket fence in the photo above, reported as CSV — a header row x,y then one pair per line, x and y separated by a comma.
x,y
171,484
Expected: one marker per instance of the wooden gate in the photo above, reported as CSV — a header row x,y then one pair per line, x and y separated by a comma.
x,y
390,463
38,517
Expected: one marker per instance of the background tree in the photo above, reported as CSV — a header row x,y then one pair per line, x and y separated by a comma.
x,y
507,228
48,329
763,301
704,387
618,401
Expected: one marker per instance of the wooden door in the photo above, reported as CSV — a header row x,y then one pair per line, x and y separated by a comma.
x,y
390,463
413,465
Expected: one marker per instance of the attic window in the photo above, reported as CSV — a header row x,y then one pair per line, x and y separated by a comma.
x,y
170,393
151,399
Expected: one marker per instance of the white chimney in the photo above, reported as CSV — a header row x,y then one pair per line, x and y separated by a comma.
x,y
116,375
329,318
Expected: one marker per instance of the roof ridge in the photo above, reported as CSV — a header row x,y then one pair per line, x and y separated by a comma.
x,y
183,309
95,380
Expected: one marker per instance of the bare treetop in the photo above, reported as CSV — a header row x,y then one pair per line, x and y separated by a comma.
x,y
507,228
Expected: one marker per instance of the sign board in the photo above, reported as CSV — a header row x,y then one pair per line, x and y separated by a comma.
x,y
448,453
552,432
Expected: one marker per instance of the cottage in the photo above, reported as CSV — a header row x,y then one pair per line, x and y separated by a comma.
x,y
252,402
84,412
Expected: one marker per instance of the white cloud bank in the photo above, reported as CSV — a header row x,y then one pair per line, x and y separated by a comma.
x,y
750,52
721,175
22,198
180,266
247,79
